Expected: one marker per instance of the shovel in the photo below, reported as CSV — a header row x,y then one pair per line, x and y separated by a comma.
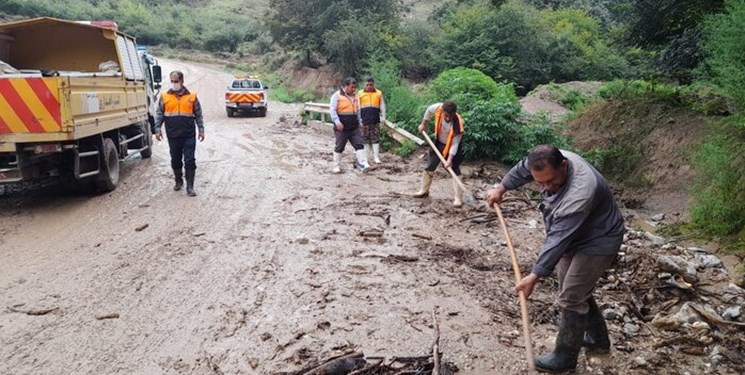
x,y
523,298
467,195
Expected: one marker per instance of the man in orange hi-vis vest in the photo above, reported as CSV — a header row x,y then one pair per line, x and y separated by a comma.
x,y
345,113
180,110
372,111
449,128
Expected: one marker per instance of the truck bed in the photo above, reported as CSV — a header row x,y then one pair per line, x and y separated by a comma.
x,y
67,107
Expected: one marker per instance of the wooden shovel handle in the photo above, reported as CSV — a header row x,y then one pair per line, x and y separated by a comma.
x,y
442,159
523,298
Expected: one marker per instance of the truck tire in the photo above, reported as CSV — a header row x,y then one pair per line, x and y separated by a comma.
x,y
262,112
231,112
108,177
147,141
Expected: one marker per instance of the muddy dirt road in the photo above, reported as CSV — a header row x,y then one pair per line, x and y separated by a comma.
x,y
277,263
263,271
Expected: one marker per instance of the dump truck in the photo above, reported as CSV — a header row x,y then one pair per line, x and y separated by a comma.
x,y
75,100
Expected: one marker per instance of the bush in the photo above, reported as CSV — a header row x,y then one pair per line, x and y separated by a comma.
x,y
575,100
639,90
725,50
718,200
540,131
404,106
468,85
405,149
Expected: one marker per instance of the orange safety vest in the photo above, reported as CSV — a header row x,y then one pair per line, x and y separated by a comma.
x,y
457,128
173,105
347,110
370,106
178,114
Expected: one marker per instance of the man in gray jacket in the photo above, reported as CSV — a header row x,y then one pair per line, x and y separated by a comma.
x,y
584,231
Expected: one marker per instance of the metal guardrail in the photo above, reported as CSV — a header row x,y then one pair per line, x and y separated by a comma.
x,y
393,130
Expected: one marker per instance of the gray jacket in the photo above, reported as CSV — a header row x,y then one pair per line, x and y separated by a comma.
x,y
581,218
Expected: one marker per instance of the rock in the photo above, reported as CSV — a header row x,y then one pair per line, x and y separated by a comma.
x,y
697,250
733,290
708,260
656,240
668,246
732,314
677,265
533,224
302,241
610,314
630,329
658,217
640,361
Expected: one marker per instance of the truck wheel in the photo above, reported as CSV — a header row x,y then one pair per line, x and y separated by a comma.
x,y
262,112
230,111
108,177
147,140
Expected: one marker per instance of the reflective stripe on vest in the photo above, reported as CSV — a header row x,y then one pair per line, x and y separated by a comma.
x,y
451,133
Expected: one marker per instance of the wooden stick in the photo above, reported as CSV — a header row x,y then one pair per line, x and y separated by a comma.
x,y
436,345
523,298
442,159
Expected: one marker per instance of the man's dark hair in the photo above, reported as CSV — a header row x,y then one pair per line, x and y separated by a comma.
x,y
543,155
179,74
450,107
370,79
349,80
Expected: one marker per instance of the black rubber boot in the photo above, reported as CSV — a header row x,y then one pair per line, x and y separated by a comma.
x,y
190,183
596,335
568,344
179,177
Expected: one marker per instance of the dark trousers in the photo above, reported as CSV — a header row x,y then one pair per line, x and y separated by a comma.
x,y
578,275
182,152
353,136
434,161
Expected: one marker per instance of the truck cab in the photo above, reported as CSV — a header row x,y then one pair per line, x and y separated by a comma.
x,y
246,94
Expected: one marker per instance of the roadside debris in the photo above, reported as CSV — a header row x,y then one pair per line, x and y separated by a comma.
x,y
107,316
32,312
356,363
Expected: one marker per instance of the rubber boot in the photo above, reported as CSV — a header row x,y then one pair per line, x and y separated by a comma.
x,y
190,183
596,335
568,344
337,163
362,160
458,201
426,183
376,153
178,175
368,151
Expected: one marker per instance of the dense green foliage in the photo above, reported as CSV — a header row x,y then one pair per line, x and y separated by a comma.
x,y
719,201
719,206
194,24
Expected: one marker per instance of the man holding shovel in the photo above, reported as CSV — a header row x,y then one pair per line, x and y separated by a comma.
x,y
449,128
584,231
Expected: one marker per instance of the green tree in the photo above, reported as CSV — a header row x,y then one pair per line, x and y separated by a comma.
x,y
719,202
348,45
725,50
302,25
